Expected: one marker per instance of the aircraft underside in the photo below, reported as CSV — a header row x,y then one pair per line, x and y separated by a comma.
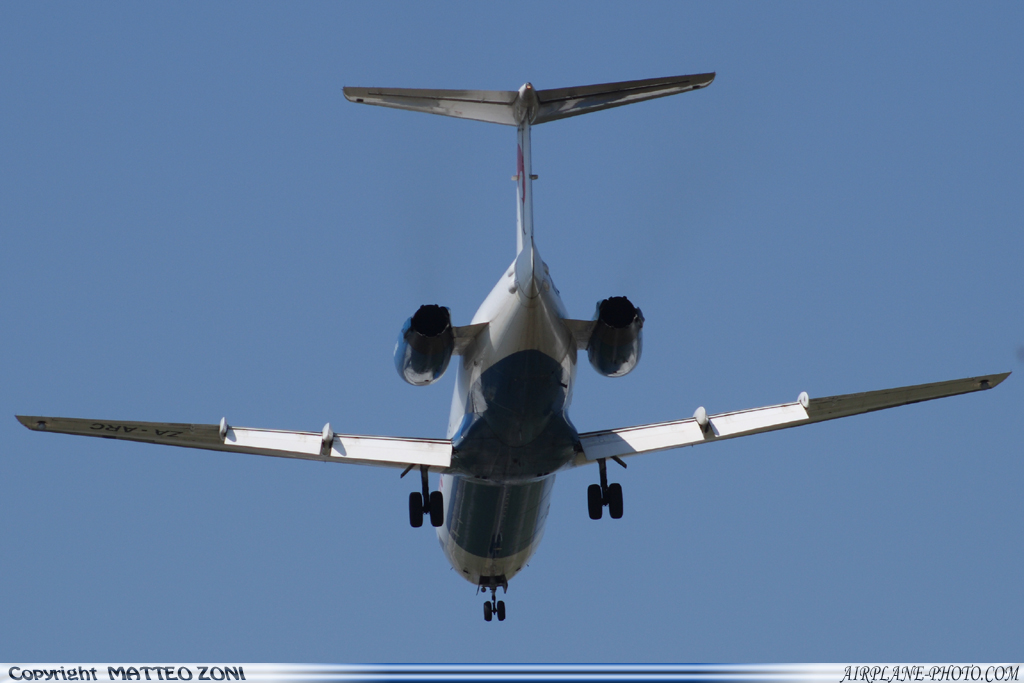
x,y
509,431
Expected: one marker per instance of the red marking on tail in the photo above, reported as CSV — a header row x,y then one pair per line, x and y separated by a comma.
x,y
519,172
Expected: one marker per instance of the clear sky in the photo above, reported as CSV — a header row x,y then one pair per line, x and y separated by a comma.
x,y
196,224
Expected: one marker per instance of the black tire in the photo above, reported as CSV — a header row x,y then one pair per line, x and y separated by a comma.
x,y
615,501
595,506
436,508
487,611
416,509
501,610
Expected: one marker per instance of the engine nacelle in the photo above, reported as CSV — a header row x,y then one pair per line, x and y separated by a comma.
x,y
425,345
617,339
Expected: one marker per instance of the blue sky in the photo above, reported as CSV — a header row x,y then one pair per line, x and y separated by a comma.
x,y
196,224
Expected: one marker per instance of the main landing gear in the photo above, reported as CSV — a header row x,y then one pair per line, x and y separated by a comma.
x,y
426,503
599,495
494,606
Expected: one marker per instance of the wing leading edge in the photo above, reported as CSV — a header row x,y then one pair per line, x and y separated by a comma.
x,y
703,428
325,446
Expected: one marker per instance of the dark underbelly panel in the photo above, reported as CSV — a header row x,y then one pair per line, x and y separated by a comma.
x,y
516,426
496,520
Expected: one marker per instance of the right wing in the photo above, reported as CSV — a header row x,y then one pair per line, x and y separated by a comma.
x,y
325,446
703,428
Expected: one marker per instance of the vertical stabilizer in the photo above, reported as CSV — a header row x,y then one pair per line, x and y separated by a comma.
x,y
525,109
524,189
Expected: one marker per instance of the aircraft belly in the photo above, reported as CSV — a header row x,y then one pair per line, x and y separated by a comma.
x,y
518,428
509,417
513,326
491,530
510,431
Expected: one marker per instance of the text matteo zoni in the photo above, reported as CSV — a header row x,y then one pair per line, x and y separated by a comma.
x,y
131,673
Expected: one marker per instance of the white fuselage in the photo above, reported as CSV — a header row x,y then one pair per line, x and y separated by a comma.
x,y
509,425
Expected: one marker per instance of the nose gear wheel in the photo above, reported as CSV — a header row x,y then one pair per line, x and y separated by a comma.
x,y
494,606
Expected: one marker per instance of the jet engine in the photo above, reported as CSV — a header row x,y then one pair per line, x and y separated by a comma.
x,y
425,345
617,339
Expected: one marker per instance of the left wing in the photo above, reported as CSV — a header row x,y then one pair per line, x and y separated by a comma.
x,y
703,428
325,446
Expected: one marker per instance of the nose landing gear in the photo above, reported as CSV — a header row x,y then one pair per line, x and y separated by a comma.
x,y
599,495
494,606
425,503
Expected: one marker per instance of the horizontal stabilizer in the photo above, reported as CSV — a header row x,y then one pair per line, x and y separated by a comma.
x,y
492,106
325,446
704,428
500,106
565,102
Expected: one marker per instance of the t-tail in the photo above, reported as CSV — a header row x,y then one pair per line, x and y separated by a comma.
x,y
524,108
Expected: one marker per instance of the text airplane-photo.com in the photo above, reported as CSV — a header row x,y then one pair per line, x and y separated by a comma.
x,y
509,432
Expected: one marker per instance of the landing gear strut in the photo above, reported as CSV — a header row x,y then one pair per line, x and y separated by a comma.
x,y
494,606
426,503
599,495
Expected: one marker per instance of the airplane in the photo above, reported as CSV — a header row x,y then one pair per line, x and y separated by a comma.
x,y
509,431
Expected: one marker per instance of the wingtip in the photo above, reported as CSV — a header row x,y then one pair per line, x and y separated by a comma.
x,y
350,93
989,381
706,80
36,424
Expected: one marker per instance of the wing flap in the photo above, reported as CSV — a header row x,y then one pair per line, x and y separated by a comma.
x,y
665,435
364,450
660,436
752,421
643,439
